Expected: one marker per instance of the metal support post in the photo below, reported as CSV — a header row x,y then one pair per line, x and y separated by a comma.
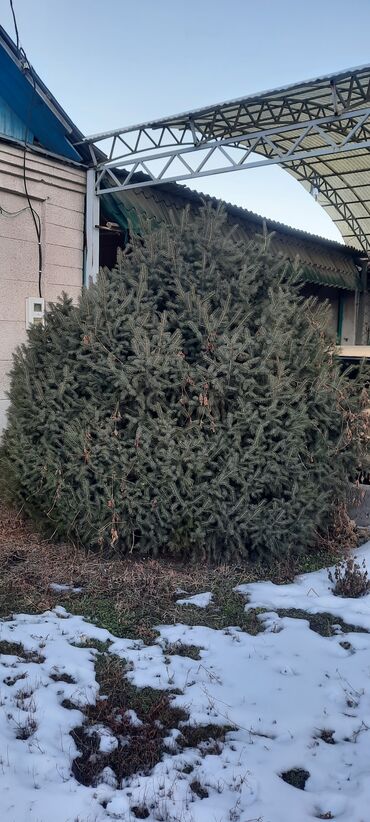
x,y
362,298
92,217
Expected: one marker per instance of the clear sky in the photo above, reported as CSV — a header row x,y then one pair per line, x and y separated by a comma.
x,y
118,62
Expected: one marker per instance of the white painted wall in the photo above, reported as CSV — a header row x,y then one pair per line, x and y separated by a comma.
x,y
58,195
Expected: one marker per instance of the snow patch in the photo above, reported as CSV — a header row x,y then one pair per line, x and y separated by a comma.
x,y
293,701
64,588
199,600
312,593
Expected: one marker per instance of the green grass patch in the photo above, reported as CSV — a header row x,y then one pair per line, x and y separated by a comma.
x,y
16,649
140,741
138,618
181,649
11,648
92,642
105,612
322,623
194,736
139,744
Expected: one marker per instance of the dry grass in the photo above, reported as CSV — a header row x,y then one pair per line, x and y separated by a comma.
x,y
343,534
127,596
350,579
139,745
16,649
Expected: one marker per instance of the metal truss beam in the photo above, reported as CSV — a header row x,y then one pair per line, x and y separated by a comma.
x,y
311,129
279,145
322,191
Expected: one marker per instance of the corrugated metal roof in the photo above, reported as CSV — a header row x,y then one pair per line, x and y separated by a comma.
x,y
11,125
322,261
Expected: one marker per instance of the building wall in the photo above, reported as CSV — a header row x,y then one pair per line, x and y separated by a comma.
x,y
366,330
350,309
349,301
331,297
57,193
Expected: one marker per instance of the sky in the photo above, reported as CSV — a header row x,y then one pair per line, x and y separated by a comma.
x,y
113,63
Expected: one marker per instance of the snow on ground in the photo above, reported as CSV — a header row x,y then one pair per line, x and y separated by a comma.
x,y
312,593
63,588
278,691
199,600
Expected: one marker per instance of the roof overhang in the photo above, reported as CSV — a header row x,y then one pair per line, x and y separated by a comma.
x,y
318,130
321,262
46,122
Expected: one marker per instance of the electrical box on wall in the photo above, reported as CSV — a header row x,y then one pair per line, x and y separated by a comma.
x,y
35,311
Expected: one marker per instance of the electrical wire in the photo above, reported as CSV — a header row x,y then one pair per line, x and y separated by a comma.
x,y
15,23
35,216
5,213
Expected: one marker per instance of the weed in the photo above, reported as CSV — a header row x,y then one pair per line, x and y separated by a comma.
x,y
199,789
180,649
11,648
350,579
59,676
11,680
140,812
140,745
26,728
22,695
341,536
297,777
193,736
141,741
327,736
92,642
16,649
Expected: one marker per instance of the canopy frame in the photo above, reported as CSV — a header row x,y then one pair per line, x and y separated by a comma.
x,y
319,131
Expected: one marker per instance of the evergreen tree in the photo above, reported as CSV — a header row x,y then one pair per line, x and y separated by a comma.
x,y
190,403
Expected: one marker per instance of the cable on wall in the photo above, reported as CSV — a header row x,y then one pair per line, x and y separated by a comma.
x,y
35,215
15,23
26,67
5,213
